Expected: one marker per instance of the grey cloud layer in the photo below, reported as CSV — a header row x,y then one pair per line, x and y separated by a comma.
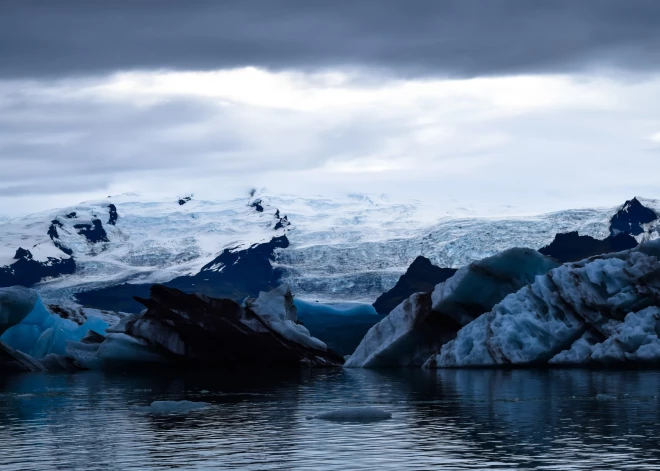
x,y
416,37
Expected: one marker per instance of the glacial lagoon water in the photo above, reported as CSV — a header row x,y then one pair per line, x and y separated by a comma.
x,y
450,420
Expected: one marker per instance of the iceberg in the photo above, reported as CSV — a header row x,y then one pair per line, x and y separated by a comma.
x,y
424,322
41,332
174,407
601,311
283,316
193,330
354,414
422,276
15,304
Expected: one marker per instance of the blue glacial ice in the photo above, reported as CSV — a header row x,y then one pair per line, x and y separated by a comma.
x,y
42,332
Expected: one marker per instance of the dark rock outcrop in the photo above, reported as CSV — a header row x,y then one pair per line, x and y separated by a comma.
x,y
234,274
421,277
113,216
93,232
26,271
571,247
257,204
626,223
282,223
184,200
55,236
631,217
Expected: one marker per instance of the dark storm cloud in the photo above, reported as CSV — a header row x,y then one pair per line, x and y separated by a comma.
x,y
415,37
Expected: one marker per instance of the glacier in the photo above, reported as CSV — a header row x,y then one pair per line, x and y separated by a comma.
x,y
351,248
409,334
599,311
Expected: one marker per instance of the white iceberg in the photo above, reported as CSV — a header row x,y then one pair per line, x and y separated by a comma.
x,y
277,310
424,322
602,310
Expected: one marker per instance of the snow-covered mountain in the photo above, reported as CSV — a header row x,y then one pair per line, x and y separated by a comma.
x,y
338,249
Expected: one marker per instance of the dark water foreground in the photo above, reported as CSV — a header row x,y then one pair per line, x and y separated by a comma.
x,y
451,419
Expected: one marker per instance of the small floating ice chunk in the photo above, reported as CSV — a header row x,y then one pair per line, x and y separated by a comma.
x,y
174,407
355,414
605,397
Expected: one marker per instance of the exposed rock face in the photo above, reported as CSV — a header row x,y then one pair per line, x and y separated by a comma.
x,y
571,247
421,277
631,218
235,274
602,310
93,232
282,222
421,324
26,271
113,216
258,205
185,199
194,330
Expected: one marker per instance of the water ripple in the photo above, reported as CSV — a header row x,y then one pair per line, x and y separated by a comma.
x,y
450,420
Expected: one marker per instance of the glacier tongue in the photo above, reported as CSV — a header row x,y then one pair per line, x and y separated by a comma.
x,y
602,310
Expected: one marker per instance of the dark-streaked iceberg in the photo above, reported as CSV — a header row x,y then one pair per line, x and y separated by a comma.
x,y
600,311
424,322
193,330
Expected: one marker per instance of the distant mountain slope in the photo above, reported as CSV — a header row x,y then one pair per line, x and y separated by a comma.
x,y
234,274
350,249
629,221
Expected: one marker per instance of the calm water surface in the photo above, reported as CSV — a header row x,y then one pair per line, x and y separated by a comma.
x,y
452,419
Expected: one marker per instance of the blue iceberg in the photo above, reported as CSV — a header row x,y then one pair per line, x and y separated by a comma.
x,y
41,332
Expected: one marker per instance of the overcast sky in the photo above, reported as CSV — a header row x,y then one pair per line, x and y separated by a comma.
x,y
538,105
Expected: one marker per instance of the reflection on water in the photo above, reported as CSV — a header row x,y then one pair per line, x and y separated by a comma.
x,y
450,419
